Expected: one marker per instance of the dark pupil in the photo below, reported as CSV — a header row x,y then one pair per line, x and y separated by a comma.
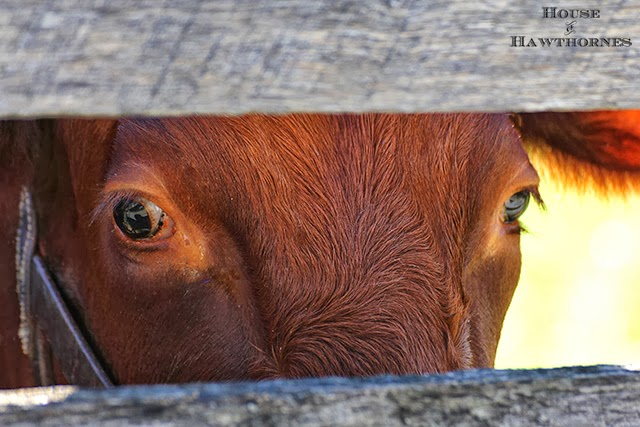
x,y
132,218
516,205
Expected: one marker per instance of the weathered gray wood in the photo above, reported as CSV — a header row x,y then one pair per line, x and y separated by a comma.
x,y
593,396
152,57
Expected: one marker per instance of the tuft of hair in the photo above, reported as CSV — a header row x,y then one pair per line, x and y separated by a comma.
x,y
597,151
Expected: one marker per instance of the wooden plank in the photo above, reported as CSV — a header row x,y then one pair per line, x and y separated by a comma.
x,y
569,396
152,57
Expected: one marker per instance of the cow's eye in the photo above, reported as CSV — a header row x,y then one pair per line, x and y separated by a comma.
x,y
139,218
515,206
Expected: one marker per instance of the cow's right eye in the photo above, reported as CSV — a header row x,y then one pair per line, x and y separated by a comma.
x,y
515,206
139,218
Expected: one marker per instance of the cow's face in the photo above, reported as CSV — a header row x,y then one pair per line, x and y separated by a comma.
x,y
257,247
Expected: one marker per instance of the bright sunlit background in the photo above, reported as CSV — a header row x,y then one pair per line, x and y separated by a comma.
x,y
578,301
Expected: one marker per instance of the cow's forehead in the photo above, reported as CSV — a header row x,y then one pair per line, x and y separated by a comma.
x,y
320,149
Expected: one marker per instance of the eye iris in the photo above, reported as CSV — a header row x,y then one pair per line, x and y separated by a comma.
x,y
515,206
135,220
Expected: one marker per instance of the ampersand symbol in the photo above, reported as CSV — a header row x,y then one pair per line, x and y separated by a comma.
x,y
570,26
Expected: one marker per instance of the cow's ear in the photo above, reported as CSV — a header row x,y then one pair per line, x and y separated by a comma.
x,y
597,150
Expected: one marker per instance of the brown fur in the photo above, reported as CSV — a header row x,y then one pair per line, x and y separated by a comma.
x,y
303,245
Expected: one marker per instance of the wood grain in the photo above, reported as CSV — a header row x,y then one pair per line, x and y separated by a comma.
x,y
606,396
175,57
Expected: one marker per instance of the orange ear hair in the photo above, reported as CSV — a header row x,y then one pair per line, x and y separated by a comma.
x,y
597,150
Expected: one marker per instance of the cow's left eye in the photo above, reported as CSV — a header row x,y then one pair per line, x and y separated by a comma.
x,y
515,206
139,218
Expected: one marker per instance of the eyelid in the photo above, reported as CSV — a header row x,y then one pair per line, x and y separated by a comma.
x,y
110,198
531,189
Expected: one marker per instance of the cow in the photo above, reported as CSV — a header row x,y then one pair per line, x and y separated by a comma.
x,y
252,247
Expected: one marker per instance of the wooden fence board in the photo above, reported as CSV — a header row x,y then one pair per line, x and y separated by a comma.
x,y
591,396
168,57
